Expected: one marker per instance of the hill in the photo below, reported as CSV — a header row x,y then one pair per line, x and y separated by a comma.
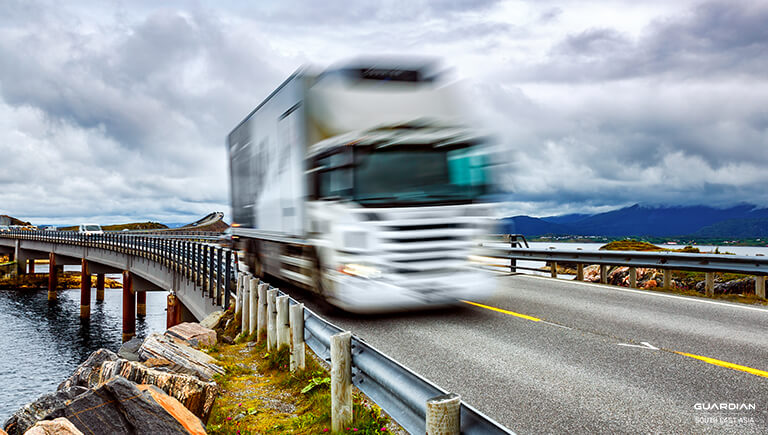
x,y
740,221
120,227
10,220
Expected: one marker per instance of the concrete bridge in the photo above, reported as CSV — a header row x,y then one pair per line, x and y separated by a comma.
x,y
197,273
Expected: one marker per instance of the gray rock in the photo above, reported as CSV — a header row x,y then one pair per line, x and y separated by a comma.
x,y
118,407
87,373
27,416
192,360
212,320
227,339
196,395
130,349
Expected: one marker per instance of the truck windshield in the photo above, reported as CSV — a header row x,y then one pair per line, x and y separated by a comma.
x,y
92,228
405,174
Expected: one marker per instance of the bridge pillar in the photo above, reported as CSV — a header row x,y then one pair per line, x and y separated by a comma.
x,y
52,276
85,291
173,316
141,304
99,287
129,307
20,266
31,265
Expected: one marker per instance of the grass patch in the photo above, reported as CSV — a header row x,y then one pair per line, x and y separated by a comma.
x,y
260,395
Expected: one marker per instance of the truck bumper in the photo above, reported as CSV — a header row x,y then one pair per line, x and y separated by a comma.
x,y
360,295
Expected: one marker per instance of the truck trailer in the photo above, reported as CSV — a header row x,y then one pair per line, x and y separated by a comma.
x,y
363,183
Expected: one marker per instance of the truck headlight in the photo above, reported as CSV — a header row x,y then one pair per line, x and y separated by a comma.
x,y
360,270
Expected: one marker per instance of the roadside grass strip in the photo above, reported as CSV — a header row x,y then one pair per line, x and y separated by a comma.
x,y
499,310
725,364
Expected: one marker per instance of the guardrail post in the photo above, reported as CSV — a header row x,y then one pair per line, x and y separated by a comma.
x,y
553,269
238,292
444,415
667,278
709,283
253,296
513,266
580,272
246,314
604,273
283,327
271,320
341,381
633,277
261,329
52,277
297,331
760,286
85,290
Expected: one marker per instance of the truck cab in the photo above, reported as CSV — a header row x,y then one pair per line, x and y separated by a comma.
x,y
89,229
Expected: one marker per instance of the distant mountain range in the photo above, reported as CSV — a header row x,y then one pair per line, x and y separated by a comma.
x,y
741,221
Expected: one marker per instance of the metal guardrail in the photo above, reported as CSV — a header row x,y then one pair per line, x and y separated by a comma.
x,y
207,265
397,390
659,260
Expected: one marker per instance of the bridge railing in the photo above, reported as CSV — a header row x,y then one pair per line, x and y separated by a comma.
x,y
211,267
665,261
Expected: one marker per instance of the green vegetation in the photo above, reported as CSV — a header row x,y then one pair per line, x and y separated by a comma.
x,y
637,245
120,227
39,281
260,395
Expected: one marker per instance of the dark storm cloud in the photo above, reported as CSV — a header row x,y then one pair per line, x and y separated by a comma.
x,y
714,39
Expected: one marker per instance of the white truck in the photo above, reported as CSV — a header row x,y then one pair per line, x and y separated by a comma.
x,y
362,183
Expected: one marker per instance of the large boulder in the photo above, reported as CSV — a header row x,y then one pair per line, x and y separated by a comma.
x,y
87,373
198,396
59,426
33,412
119,407
192,334
130,349
185,358
213,319
172,406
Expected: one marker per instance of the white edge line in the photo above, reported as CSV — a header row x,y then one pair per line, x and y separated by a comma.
x,y
647,292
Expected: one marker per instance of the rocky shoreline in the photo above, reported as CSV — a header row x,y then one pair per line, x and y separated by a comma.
x,y
159,385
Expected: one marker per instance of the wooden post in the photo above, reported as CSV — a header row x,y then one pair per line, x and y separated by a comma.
x,y
667,278
253,311
141,304
633,277
261,320
246,314
85,290
553,269
760,286
604,273
341,381
297,333
271,320
283,327
129,307
238,292
99,287
444,415
52,277
709,284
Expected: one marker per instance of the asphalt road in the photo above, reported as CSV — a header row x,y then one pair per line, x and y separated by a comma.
x,y
588,358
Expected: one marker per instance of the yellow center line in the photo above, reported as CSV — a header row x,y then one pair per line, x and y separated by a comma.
x,y
726,364
511,313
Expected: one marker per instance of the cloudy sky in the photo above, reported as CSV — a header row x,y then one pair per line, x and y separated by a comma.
x,y
116,111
